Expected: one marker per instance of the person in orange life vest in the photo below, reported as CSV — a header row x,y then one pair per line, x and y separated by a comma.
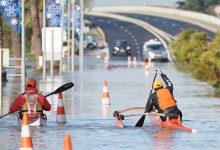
x,y
162,99
31,102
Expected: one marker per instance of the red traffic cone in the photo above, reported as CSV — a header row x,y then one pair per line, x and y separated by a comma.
x,y
26,140
61,118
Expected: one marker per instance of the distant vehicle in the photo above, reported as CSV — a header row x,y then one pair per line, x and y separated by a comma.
x,y
154,50
121,45
90,42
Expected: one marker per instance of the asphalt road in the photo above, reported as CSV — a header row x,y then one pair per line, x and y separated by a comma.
x,y
170,26
116,29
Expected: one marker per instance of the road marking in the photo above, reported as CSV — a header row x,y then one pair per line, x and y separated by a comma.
x,y
132,36
100,20
115,24
135,40
125,30
109,22
173,25
121,27
129,33
136,43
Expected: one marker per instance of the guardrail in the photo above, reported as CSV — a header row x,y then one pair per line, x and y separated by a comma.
x,y
208,22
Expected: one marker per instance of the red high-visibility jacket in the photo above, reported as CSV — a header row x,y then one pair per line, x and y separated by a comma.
x,y
20,101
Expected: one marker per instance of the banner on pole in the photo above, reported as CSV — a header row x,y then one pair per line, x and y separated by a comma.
x,y
53,13
10,10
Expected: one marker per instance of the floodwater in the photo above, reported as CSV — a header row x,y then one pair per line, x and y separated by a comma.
x,y
92,127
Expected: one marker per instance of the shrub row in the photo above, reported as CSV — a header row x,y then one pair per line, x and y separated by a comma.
x,y
202,57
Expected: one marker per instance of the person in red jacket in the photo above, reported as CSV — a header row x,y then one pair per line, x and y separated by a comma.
x,y
30,102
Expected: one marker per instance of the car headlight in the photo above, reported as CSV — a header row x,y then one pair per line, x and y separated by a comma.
x,y
151,54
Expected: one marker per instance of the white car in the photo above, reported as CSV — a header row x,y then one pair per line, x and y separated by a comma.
x,y
154,50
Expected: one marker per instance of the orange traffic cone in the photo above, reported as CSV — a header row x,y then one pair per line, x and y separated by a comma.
x,y
105,95
26,140
61,118
67,142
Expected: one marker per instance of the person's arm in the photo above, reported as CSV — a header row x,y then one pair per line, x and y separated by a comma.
x,y
17,104
169,84
43,101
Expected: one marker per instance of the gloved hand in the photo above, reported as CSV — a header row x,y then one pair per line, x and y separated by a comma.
x,y
158,71
116,113
122,117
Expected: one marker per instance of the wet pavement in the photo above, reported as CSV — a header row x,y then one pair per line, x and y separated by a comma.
x,y
92,127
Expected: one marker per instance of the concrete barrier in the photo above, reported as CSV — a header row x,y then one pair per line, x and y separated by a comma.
x,y
205,21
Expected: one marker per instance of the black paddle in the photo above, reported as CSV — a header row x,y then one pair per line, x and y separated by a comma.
x,y
140,122
58,90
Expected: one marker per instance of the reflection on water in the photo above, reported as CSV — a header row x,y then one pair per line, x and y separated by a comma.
x,y
92,127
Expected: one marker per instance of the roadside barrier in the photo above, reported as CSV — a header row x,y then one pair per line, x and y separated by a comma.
x,y
105,95
67,145
60,118
26,140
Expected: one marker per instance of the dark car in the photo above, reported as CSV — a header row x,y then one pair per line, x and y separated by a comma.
x,y
121,46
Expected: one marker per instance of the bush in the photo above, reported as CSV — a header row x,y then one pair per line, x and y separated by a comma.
x,y
193,50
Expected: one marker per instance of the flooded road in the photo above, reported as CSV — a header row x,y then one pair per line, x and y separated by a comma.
x,y
92,127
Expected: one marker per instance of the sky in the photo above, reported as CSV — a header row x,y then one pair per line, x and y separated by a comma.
x,y
133,2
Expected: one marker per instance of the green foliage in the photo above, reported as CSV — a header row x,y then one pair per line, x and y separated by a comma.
x,y
192,49
198,5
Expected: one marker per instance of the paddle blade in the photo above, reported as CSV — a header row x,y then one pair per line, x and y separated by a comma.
x,y
140,122
61,89
64,87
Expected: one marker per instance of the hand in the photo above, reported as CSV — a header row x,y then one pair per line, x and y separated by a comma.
x,y
158,71
121,117
116,113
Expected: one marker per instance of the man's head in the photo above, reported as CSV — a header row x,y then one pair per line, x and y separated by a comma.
x,y
31,82
157,85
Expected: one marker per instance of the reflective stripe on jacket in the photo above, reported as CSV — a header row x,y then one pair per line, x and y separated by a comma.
x,y
32,106
165,98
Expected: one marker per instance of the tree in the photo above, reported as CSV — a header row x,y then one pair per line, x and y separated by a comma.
x,y
198,5
1,35
36,45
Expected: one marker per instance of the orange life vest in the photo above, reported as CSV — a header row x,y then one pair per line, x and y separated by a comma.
x,y
165,98
32,106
